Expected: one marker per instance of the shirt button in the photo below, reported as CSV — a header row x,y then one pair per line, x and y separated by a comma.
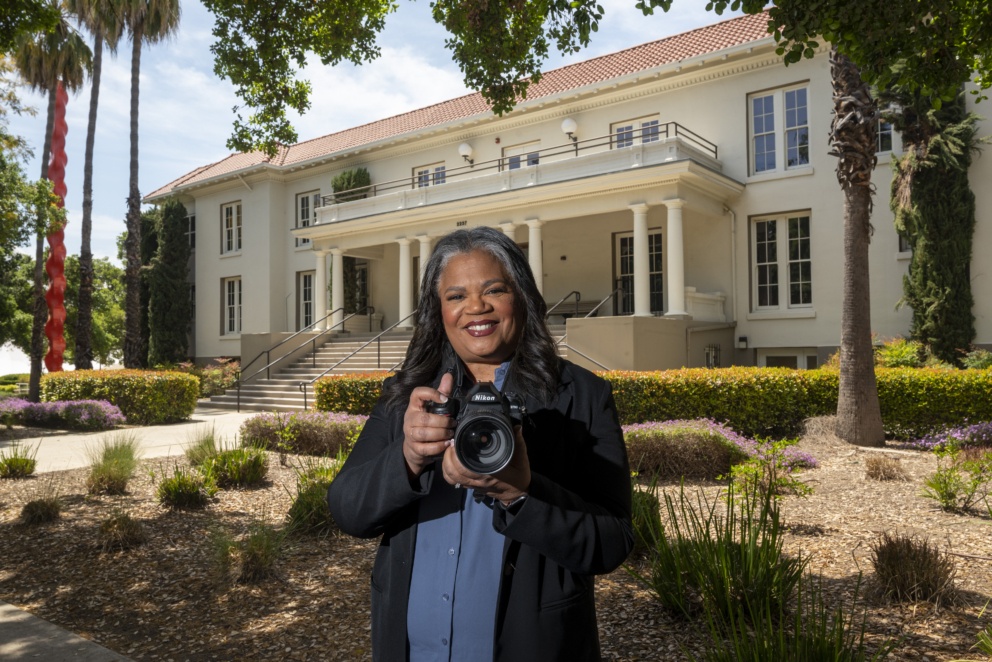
x,y
451,552
445,597
444,642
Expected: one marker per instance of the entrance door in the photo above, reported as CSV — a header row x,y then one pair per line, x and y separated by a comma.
x,y
624,261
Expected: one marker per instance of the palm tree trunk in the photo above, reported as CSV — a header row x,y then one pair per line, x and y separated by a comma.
x,y
40,308
84,315
852,137
132,245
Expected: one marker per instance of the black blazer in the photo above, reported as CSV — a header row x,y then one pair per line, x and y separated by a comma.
x,y
575,523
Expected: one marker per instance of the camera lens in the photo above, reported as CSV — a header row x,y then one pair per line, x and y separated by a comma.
x,y
484,443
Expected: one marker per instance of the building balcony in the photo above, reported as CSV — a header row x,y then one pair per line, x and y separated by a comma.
x,y
560,164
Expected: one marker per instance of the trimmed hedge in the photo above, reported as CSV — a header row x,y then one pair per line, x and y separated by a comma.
x,y
304,433
145,397
753,401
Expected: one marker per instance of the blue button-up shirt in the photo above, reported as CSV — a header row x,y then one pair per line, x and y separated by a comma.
x,y
457,563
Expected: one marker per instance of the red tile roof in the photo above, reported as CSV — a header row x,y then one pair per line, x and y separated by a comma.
x,y
709,39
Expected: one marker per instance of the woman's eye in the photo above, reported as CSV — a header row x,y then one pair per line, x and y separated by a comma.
x,y
497,290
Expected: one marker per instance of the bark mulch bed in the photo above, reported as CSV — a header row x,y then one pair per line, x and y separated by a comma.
x,y
165,600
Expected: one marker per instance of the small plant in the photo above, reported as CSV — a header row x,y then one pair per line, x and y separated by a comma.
x,y
121,532
18,462
308,512
238,467
251,559
185,489
42,510
962,479
900,353
202,446
883,467
910,569
113,464
978,359
646,510
772,469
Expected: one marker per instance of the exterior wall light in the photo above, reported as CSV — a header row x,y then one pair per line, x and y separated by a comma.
x,y
466,152
741,342
570,129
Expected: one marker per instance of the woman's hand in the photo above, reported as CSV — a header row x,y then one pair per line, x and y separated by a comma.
x,y
426,436
508,485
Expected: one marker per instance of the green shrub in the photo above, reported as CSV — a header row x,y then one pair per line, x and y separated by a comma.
x,y
985,640
303,433
8,388
978,359
18,462
185,489
351,184
900,353
646,518
42,510
215,378
15,378
683,449
113,464
910,569
251,559
718,562
237,467
121,532
916,402
351,394
309,513
145,397
962,480
772,469
202,446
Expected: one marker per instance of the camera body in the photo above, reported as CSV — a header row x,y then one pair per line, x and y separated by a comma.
x,y
484,439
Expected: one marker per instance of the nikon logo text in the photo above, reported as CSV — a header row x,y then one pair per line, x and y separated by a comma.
x,y
483,397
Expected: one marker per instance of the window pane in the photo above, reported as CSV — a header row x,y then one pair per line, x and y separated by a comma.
x,y
649,131
800,265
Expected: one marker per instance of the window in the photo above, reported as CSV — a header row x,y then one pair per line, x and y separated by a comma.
x,y
797,359
779,118
231,227
191,230
624,256
884,142
304,284
638,131
306,213
232,306
521,156
428,175
361,285
782,271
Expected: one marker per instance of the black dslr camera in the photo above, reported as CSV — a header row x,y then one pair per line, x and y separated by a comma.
x,y
484,439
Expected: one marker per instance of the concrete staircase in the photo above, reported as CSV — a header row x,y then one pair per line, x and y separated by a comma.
x,y
281,392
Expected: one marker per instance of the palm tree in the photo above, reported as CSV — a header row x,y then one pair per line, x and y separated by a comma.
x,y
852,139
103,18
43,61
151,21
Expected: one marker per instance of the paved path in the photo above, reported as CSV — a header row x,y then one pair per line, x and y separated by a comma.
x,y
27,637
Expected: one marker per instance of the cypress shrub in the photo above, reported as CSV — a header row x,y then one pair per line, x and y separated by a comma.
x,y
168,290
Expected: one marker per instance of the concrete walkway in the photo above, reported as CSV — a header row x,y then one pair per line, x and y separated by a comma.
x,y
27,637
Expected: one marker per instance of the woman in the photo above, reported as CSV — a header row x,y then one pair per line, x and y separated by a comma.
x,y
487,567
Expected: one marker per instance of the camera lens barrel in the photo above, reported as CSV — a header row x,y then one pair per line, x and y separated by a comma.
x,y
484,442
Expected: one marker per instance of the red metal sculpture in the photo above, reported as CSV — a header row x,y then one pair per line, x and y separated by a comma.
x,y
55,265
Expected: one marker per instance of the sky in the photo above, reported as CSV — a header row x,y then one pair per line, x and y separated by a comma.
x,y
185,115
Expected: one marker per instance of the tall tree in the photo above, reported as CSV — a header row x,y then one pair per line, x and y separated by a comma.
x,y
24,17
104,20
935,211
168,290
147,21
44,61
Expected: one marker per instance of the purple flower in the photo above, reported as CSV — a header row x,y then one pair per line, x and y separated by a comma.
x,y
977,435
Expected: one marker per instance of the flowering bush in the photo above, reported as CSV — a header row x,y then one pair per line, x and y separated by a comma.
x,y
66,414
971,436
306,433
146,397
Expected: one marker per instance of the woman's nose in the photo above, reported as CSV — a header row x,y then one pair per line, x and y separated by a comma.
x,y
477,304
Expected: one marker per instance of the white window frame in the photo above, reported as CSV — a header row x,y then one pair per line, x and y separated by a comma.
x,y
803,356
191,231
639,131
231,228
885,129
231,306
432,174
778,123
305,213
523,155
781,262
656,269
306,301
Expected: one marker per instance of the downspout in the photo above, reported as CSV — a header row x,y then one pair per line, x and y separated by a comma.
x,y
733,261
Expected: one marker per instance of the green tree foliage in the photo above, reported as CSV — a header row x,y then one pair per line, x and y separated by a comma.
x,y
107,324
21,17
935,211
168,287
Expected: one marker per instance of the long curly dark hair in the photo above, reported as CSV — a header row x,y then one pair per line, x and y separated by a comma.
x,y
535,362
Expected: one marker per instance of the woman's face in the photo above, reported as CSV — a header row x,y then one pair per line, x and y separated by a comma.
x,y
478,307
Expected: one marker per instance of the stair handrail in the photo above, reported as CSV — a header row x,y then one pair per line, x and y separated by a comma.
x,y
560,341
367,310
583,355
578,297
303,385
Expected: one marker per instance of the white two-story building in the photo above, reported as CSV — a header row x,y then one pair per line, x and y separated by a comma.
x,y
692,173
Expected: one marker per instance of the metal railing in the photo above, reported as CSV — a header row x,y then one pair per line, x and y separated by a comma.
x,y
578,298
591,313
303,386
368,310
619,140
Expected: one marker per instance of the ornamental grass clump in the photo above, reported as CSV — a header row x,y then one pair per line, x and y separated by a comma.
x,y
304,433
121,532
42,510
911,569
883,467
185,489
237,467
112,465
201,447
646,519
309,513
18,461
251,559
671,450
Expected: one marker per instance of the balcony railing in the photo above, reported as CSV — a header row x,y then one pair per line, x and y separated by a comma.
x,y
643,137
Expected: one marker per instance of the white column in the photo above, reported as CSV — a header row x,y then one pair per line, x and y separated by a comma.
x,y
534,252
509,229
337,287
406,280
320,291
675,277
425,254
642,270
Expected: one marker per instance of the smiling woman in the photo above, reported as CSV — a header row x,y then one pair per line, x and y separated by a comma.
x,y
493,566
